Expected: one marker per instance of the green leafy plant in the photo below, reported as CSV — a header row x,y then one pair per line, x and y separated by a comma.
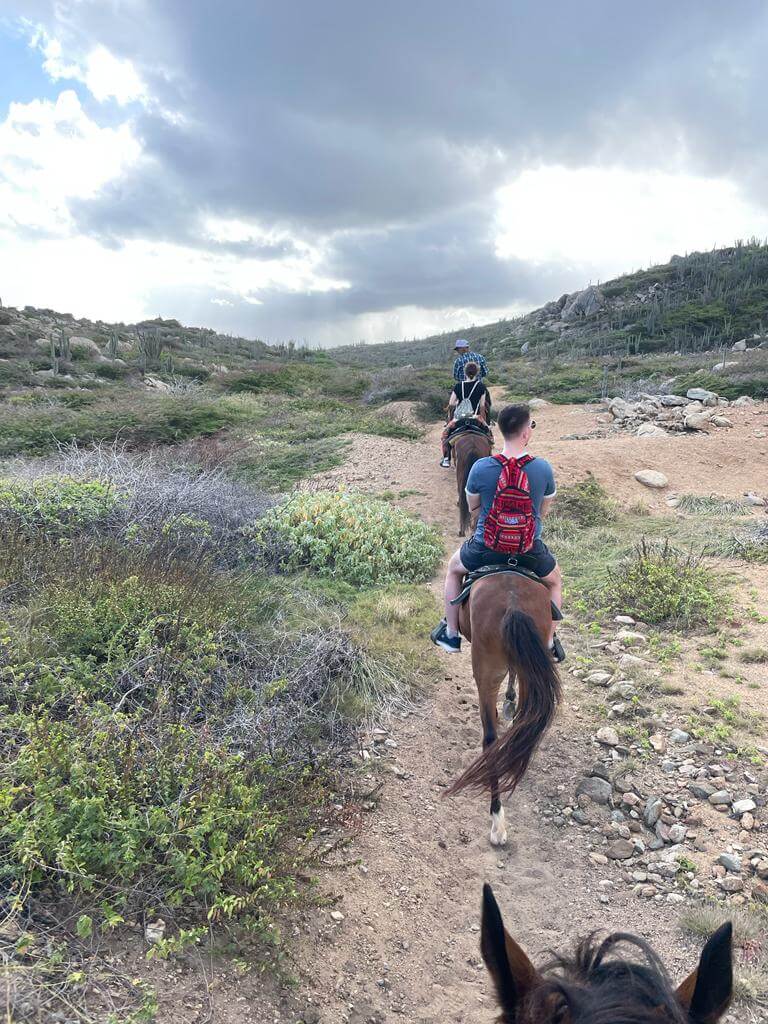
x,y
660,584
360,539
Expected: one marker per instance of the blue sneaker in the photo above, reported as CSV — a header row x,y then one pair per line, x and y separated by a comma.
x,y
439,636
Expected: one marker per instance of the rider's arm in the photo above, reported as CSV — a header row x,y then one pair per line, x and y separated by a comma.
x,y
474,501
546,505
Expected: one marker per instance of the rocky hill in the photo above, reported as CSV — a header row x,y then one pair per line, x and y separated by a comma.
x,y
696,303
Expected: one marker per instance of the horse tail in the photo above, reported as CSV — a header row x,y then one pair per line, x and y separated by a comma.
x,y
507,760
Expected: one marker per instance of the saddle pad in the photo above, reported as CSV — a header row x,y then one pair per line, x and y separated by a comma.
x,y
491,570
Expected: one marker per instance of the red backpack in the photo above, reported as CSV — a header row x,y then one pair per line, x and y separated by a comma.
x,y
511,524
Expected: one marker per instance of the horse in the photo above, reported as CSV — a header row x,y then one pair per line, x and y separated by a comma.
x,y
507,619
468,447
595,986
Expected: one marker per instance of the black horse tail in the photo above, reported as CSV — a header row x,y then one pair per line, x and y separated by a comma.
x,y
507,760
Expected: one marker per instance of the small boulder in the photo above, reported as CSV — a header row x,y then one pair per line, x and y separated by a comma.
x,y
739,346
679,736
720,797
620,849
744,807
598,790
672,400
730,862
650,430
721,421
653,808
698,421
608,736
700,395
651,478
744,400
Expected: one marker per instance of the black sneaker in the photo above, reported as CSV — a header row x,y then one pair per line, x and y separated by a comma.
x,y
445,462
439,636
558,652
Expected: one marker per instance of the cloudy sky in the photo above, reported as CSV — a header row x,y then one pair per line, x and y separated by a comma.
x,y
352,170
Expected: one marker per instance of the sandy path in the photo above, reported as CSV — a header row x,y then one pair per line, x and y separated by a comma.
x,y
408,944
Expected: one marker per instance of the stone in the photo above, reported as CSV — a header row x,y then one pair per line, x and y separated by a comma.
x,y
677,833
719,367
720,797
755,500
624,620
620,849
701,790
679,736
744,807
721,421
730,862
697,421
739,346
608,736
596,789
650,430
598,858
337,916
598,678
653,808
731,884
748,821
658,742
651,478
630,638
83,346
744,400
583,304
700,395
630,661
672,400
155,930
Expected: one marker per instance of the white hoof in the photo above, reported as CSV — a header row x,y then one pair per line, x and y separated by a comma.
x,y
498,829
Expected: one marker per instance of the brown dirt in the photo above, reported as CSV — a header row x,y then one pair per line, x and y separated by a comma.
x,y
407,947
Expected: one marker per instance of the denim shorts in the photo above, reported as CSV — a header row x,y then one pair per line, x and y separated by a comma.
x,y
539,559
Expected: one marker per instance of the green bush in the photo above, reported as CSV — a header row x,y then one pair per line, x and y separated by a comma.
x,y
585,503
360,539
129,818
661,585
61,504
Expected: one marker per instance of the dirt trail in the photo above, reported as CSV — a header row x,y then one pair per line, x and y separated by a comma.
x,y
408,944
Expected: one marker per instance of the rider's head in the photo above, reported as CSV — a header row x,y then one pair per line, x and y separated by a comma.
x,y
515,423
471,370
461,346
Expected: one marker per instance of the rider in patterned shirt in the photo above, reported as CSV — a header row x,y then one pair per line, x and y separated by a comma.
x,y
464,356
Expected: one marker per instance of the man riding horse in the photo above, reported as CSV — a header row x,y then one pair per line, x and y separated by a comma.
x,y
527,481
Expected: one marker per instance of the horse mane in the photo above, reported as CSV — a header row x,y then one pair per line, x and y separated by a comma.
x,y
591,986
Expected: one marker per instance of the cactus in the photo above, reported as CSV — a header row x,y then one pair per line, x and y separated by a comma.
x,y
151,345
113,345
54,358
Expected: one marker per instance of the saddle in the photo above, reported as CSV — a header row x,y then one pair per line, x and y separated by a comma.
x,y
515,565
470,426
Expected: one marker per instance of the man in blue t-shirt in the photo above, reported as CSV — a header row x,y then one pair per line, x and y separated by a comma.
x,y
516,427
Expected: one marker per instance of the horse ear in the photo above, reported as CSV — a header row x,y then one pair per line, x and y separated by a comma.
x,y
706,993
512,972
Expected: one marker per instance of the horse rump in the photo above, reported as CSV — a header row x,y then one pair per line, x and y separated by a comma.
x,y
506,760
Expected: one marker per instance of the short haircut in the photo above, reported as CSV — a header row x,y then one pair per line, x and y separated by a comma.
x,y
471,370
513,419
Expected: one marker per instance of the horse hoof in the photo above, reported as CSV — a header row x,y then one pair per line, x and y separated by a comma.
x,y
498,829
508,710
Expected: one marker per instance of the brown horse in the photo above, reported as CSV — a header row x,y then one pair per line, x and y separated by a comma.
x,y
594,986
468,447
507,618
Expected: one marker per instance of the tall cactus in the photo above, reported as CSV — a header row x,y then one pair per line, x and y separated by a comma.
x,y
113,345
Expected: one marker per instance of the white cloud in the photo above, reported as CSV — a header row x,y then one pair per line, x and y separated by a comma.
x,y
605,221
50,152
105,76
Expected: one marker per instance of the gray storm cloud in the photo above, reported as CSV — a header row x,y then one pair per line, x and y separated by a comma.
x,y
380,133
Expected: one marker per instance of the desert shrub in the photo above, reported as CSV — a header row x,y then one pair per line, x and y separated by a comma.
x,y
711,505
140,421
659,584
585,503
749,545
345,534
58,503
106,810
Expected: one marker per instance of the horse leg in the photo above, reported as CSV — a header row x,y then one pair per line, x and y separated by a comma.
x,y
488,692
